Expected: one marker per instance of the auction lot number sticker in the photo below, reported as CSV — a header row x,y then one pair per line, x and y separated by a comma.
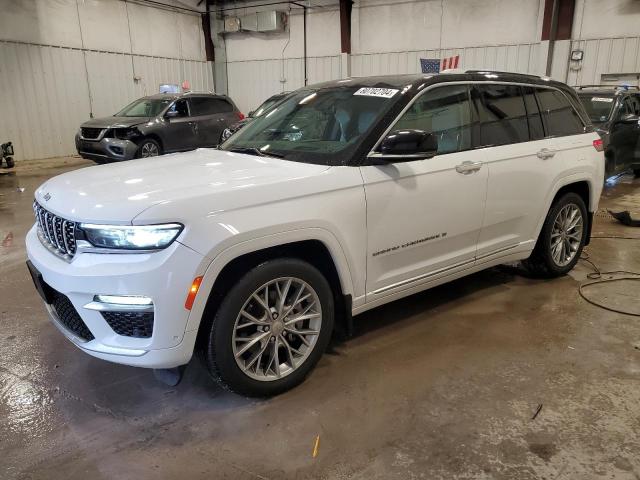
x,y
377,92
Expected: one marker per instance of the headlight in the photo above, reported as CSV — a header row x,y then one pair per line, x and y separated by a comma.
x,y
131,237
126,133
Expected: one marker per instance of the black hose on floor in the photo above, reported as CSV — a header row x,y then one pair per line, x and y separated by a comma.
x,y
599,277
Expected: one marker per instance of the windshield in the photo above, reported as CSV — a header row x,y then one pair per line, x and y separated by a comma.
x,y
324,126
145,107
598,106
266,105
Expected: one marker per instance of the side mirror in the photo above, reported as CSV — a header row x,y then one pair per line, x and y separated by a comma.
x,y
250,114
628,119
407,145
171,114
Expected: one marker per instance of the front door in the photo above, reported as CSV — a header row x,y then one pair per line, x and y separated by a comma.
x,y
180,128
424,216
625,135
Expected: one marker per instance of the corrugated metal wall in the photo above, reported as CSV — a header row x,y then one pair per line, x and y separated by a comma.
x,y
45,94
253,81
604,56
521,58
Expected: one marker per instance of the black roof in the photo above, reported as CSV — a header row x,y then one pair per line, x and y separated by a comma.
x,y
415,80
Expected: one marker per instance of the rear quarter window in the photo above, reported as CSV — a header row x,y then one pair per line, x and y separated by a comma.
x,y
209,106
559,116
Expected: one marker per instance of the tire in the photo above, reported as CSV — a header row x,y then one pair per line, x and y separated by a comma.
x,y
148,148
10,162
542,262
225,341
636,172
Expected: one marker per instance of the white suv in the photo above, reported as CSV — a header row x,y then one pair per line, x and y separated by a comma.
x,y
345,196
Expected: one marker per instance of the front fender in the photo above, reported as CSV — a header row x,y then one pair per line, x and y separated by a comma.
x,y
212,269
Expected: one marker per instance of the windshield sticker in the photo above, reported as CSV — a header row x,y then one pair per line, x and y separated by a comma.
x,y
601,99
377,92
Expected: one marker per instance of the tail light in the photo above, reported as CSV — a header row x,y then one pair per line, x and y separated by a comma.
x,y
240,115
598,145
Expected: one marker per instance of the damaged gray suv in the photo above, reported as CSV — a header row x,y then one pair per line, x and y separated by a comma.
x,y
157,124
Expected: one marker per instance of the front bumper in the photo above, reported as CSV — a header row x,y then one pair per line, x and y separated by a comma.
x,y
106,150
164,276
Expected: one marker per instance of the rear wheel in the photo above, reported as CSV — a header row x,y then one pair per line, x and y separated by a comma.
x,y
561,239
10,162
271,328
636,172
148,148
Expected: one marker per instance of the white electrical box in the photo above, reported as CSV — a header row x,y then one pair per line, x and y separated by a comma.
x,y
231,24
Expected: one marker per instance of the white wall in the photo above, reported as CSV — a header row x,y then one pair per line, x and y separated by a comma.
x,y
261,64
609,34
62,60
401,25
388,36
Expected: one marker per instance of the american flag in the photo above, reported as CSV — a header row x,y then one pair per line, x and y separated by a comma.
x,y
434,65
430,65
450,62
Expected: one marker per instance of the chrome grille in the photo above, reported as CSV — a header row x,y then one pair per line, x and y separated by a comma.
x,y
55,232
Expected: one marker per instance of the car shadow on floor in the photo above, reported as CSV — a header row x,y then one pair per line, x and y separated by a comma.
x,y
133,393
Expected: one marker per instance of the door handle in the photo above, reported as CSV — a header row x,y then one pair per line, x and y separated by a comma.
x,y
545,153
468,167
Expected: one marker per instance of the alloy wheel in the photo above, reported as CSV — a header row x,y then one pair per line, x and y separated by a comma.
x,y
277,329
149,149
566,234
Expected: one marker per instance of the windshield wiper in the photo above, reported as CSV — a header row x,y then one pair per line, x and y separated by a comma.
x,y
254,151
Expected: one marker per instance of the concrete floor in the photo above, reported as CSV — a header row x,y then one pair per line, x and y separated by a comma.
x,y
441,385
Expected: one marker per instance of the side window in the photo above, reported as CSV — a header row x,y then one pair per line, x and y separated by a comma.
x,y
536,131
502,115
445,112
209,106
181,107
636,104
559,116
221,106
629,106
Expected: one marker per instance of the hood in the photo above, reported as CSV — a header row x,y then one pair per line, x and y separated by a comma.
x,y
114,122
118,192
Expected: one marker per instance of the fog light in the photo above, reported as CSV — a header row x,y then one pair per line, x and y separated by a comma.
x,y
123,299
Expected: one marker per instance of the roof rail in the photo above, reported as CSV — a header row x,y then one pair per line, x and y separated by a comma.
x,y
615,87
501,72
201,92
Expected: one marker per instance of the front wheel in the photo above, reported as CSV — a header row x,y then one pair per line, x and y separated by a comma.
x,y
271,328
561,239
148,148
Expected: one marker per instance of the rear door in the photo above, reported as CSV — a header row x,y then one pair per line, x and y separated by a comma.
x,y
212,116
520,162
